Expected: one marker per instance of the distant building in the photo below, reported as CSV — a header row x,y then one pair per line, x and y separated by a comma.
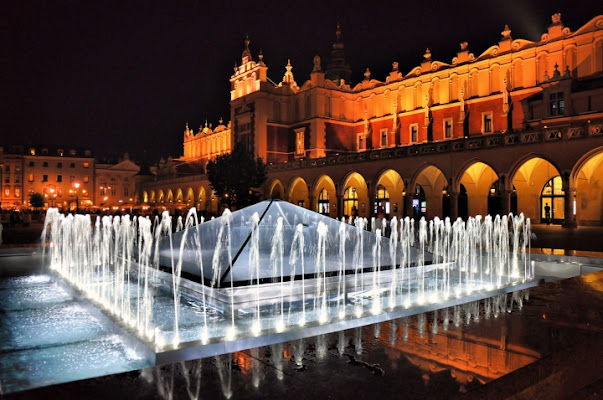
x,y
61,174
513,129
115,185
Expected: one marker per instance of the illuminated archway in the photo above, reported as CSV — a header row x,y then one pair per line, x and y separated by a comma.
x,y
529,179
298,193
179,196
355,188
388,191
434,185
478,179
189,199
170,196
145,197
589,189
201,199
325,195
276,190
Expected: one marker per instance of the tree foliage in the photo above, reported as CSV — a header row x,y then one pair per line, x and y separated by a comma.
x,y
237,177
36,200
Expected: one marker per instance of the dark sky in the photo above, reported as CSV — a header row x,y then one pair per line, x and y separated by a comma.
x,y
127,75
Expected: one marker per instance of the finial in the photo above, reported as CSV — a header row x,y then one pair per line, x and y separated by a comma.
x,y
316,62
427,54
464,46
186,126
556,18
221,121
395,66
338,31
206,123
506,33
236,68
261,56
247,41
367,74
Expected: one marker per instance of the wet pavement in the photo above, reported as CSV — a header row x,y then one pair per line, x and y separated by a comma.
x,y
548,348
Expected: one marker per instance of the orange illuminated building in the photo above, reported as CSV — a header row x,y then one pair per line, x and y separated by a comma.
x,y
515,128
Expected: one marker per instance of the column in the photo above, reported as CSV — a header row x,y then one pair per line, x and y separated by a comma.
x,y
312,205
506,202
454,206
407,205
570,219
371,206
339,206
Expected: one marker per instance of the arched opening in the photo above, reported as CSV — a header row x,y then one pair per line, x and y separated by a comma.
x,y
478,179
276,190
432,182
389,189
324,191
356,191
298,193
589,191
529,180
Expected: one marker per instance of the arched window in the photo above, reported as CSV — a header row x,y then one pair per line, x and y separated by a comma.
x,y
323,202
350,201
382,199
553,198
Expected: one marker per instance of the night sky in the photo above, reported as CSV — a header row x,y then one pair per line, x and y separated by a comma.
x,y
127,75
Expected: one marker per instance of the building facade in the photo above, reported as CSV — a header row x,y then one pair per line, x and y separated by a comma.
x,y
517,128
63,175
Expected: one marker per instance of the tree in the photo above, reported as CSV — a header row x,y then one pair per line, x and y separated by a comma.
x,y
36,200
236,177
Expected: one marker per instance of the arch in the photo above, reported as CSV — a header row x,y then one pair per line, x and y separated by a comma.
x,y
145,196
169,196
478,178
189,198
570,61
432,182
495,79
277,190
587,177
529,176
179,196
454,87
435,91
160,196
152,197
542,66
326,195
358,183
392,182
201,199
298,192
418,103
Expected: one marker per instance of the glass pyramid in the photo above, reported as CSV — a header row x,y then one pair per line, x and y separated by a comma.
x,y
229,249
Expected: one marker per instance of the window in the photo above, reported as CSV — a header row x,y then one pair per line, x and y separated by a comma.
x,y
17,192
7,179
361,141
71,178
414,133
552,201
7,168
383,137
17,168
17,178
299,142
59,178
487,122
61,152
86,165
44,178
86,179
32,164
45,164
113,191
32,151
72,165
382,199
6,191
59,165
557,104
448,128
31,177
126,191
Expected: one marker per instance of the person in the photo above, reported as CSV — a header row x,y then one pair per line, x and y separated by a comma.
x,y
547,213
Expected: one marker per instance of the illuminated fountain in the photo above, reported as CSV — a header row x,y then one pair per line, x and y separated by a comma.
x,y
275,272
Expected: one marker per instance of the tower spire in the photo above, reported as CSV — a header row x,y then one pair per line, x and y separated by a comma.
x,y
338,70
